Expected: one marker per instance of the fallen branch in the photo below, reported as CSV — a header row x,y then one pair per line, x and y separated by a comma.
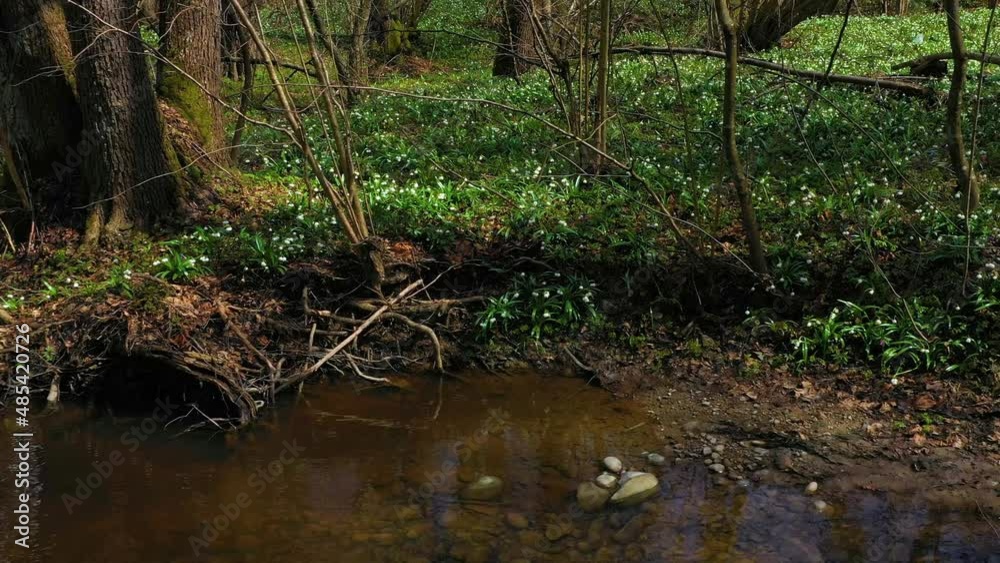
x,y
302,375
437,306
362,375
438,360
903,86
257,62
927,59
223,311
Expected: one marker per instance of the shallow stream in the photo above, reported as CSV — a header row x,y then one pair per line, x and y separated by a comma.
x,y
342,474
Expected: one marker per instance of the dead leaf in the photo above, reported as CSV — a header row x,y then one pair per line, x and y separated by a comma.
x,y
924,402
919,439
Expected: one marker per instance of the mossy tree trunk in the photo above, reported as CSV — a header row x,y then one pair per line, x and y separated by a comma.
x,y
131,171
193,42
39,115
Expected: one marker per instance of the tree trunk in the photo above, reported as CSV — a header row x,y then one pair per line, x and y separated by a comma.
x,y
131,171
740,180
763,22
517,40
246,53
359,34
953,125
39,116
193,42
603,75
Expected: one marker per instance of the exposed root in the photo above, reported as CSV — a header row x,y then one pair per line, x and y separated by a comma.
x,y
305,373
208,369
438,360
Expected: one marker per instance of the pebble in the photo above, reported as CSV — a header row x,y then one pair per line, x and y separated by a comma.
x,y
707,450
717,467
517,520
820,505
486,487
606,480
636,490
812,487
591,497
613,464
555,532
783,460
656,459
720,447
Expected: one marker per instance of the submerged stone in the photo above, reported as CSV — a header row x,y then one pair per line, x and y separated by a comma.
x,y
637,489
591,497
486,487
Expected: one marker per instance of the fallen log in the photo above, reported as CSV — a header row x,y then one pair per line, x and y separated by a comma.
x,y
903,86
927,59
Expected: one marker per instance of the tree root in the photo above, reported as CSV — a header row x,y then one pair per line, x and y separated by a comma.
x,y
207,369
305,373
399,313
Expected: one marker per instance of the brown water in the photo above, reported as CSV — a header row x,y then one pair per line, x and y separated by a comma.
x,y
371,476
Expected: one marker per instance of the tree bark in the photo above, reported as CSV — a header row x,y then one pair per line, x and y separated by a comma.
x,y
193,42
517,41
763,22
39,114
603,75
359,35
743,191
953,125
131,171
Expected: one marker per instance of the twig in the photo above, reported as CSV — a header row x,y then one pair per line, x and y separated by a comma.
x,y
438,361
576,361
987,518
353,336
361,374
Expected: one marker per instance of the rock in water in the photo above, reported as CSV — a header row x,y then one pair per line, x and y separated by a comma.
x,y
591,497
517,521
628,475
656,459
613,464
636,490
606,480
486,487
812,487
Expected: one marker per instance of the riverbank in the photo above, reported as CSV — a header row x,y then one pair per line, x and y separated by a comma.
x,y
229,347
